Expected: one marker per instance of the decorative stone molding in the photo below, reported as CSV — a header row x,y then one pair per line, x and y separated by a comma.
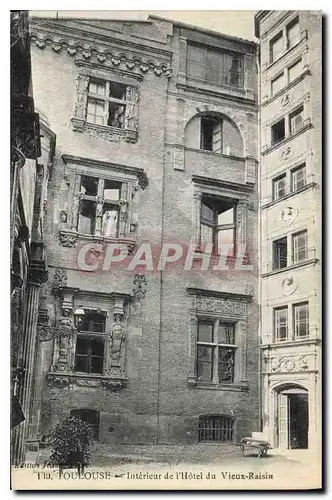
x,y
140,284
45,333
109,57
290,363
289,215
288,285
221,306
285,100
249,289
37,273
60,279
64,334
61,380
287,153
68,238
178,157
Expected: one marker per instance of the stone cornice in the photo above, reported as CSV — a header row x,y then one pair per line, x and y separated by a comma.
x,y
218,294
122,53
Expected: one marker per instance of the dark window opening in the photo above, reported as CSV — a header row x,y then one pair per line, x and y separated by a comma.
x,y
89,354
118,91
116,115
280,253
217,428
278,131
208,127
91,417
89,185
93,322
87,217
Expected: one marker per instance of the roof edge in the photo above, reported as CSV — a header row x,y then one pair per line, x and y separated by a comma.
x,y
181,24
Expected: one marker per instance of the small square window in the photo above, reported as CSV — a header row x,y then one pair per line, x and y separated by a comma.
x,y
278,132
218,224
280,253
279,187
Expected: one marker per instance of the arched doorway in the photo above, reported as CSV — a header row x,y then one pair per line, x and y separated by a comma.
x,y
91,417
292,417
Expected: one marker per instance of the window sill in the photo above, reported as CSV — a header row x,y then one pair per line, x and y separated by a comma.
x,y
291,343
95,381
311,185
304,263
193,383
112,134
69,238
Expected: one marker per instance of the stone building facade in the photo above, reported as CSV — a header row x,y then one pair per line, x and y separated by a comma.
x,y
30,161
290,226
156,126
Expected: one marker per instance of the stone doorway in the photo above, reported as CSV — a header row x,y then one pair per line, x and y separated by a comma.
x,y
293,418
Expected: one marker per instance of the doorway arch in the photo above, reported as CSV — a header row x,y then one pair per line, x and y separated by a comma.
x,y
292,416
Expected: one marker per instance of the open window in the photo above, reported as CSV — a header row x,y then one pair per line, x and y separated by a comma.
x,y
106,208
220,136
106,103
218,224
278,131
296,120
280,253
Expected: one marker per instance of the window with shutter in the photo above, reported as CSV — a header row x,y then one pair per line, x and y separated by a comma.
x,y
296,120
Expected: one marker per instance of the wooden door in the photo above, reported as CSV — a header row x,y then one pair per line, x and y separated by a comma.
x,y
283,420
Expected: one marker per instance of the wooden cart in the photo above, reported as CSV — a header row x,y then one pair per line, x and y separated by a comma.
x,y
261,446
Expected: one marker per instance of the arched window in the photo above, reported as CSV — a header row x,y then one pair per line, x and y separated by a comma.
x,y
217,428
92,417
214,132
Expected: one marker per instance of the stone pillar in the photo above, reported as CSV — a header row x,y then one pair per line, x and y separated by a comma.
x,y
197,218
192,375
241,340
99,207
36,276
44,334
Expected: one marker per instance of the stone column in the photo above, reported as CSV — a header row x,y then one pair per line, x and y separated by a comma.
x,y
99,207
241,340
36,276
192,375
196,229
44,334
